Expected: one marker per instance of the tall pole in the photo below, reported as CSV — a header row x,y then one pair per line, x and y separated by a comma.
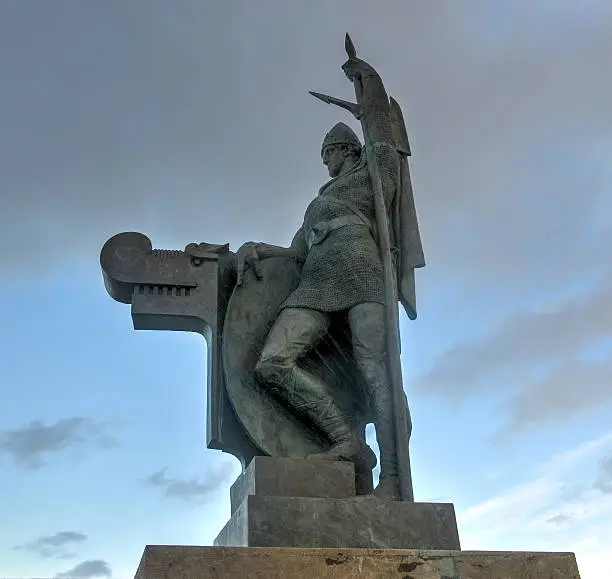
x,y
401,416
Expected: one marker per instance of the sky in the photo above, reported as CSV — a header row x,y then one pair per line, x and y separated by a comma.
x,y
191,121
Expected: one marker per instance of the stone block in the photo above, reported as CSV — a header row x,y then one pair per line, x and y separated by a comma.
x,y
290,477
176,562
358,522
516,565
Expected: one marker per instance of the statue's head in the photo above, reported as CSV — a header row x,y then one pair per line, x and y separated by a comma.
x,y
340,149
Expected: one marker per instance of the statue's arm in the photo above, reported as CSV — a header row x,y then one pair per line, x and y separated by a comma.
x,y
265,250
377,111
297,249
252,253
376,108
298,244
377,117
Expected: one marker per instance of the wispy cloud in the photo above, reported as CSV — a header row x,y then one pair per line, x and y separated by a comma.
x,y
560,519
87,570
604,480
192,489
54,546
537,87
29,444
538,357
557,509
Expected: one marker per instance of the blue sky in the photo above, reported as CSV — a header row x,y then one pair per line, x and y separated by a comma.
x,y
192,122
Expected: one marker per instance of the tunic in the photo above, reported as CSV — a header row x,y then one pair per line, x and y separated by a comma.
x,y
345,269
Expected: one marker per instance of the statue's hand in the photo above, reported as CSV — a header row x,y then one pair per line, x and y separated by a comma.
x,y
246,257
356,68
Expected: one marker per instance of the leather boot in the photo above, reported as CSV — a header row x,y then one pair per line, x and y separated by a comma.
x,y
348,447
307,394
388,487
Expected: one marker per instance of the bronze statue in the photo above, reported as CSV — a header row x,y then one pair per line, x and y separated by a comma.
x,y
304,341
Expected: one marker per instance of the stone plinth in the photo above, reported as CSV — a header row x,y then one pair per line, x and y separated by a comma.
x,y
290,477
174,562
356,522
280,502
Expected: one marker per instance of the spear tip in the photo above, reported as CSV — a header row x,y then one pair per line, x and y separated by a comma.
x,y
349,47
320,96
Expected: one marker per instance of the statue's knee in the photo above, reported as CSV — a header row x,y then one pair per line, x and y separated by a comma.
x,y
271,370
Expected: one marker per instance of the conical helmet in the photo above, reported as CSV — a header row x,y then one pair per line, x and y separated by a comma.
x,y
341,134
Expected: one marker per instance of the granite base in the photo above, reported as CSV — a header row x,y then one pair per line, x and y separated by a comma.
x,y
175,562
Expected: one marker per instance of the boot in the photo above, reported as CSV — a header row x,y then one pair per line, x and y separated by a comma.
x,y
388,487
308,395
349,447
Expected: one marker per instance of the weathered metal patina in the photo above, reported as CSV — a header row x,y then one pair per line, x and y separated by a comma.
x,y
303,340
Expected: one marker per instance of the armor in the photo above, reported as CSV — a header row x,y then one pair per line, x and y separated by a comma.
x,y
345,268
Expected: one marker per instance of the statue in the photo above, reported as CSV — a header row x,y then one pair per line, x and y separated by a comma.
x,y
303,341
303,352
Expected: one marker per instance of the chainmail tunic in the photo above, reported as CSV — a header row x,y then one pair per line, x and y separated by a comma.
x,y
345,269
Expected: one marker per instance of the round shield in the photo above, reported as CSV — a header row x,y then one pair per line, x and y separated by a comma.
x,y
274,428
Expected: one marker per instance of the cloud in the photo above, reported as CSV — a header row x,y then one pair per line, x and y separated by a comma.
x,y
540,513
569,388
604,480
511,349
86,570
193,489
538,356
28,445
523,501
487,95
559,519
508,112
54,546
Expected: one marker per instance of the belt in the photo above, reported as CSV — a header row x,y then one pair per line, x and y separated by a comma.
x,y
322,229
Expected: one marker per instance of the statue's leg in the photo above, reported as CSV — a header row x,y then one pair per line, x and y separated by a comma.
x,y
294,333
367,322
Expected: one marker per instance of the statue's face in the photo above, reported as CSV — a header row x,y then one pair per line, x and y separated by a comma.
x,y
333,157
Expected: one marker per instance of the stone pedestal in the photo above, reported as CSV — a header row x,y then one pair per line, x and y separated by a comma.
x,y
294,519
301,503
288,477
173,562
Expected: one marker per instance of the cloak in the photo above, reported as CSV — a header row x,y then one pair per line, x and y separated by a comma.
x,y
405,236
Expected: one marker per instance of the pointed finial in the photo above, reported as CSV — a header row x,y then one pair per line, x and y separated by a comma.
x,y
320,96
349,47
355,109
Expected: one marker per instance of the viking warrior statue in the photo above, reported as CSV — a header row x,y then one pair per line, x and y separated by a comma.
x,y
339,251
303,341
